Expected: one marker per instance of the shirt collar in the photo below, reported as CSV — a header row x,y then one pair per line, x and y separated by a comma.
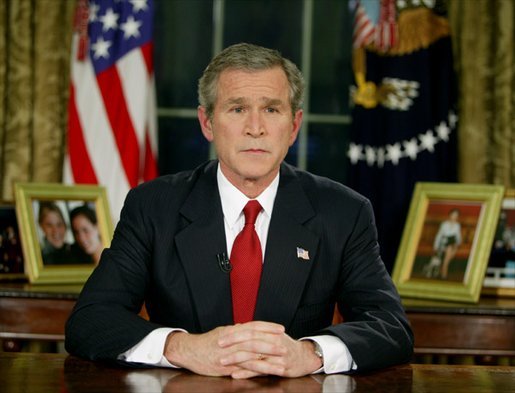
x,y
233,200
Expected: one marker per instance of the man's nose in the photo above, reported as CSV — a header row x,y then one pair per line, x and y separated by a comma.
x,y
254,125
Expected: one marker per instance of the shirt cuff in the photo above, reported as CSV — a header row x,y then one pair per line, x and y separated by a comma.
x,y
337,358
150,350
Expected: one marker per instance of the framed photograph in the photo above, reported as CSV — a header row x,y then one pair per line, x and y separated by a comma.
x,y
500,273
11,255
63,230
447,241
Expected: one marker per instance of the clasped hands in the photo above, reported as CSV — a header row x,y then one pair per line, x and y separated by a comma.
x,y
242,351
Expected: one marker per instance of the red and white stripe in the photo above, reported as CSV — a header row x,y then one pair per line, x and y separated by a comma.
x,y
386,30
364,29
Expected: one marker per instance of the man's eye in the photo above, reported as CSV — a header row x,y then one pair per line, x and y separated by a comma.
x,y
271,110
237,109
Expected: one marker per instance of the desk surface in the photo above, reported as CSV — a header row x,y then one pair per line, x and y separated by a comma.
x,y
61,373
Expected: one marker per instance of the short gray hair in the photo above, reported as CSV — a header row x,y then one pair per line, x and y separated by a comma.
x,y
248,57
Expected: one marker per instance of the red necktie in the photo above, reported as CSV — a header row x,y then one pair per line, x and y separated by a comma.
x,y
246,261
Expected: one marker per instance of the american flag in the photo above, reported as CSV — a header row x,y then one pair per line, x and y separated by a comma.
x,y
302,254
112,129
367,30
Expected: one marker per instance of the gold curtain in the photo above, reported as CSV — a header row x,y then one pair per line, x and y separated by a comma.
x,y
35,39
484,36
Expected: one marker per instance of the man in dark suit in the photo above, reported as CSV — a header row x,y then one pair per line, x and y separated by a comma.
x,y
174,249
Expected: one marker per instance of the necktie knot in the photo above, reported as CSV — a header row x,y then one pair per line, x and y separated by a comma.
x,y
251,211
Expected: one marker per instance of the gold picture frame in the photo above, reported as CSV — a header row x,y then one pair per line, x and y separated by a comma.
x,y
47,212
447,240
500,273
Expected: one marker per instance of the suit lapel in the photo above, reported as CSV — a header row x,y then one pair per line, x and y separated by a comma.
x,y
198,245
284,274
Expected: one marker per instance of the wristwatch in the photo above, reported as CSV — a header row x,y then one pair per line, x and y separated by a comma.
x,y
318,352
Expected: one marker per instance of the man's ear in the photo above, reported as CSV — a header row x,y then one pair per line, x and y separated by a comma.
x,y
205,123
297,122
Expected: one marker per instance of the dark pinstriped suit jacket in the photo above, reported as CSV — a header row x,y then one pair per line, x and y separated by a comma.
x,y
164,254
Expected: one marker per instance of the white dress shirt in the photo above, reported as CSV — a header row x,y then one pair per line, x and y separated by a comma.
x,y
337,357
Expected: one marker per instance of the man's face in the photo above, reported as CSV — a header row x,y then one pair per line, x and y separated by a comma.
x,y
252,124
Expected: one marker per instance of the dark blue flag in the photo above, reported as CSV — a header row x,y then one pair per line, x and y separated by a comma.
x,y
404,117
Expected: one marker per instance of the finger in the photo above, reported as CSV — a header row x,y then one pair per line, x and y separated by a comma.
x,y
270,346
238,335
261,326
252,350
267,366
264,326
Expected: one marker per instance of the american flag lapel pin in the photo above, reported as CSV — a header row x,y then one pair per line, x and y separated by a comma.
x,y
302,254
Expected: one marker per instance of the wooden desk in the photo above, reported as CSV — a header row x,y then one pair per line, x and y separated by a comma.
x,y
442,328
487,328
61,373
35,312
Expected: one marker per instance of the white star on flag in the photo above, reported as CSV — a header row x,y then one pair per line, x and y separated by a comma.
x,y
453,119
443,131
93,12
101,48
354,153
109,20
411,148
394,153
370,154
139,5
428,141
131,28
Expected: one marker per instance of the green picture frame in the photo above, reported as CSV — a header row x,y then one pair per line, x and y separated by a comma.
x,y
500,273
447,240
60,256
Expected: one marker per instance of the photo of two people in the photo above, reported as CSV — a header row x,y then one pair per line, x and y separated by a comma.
x,y
68,232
